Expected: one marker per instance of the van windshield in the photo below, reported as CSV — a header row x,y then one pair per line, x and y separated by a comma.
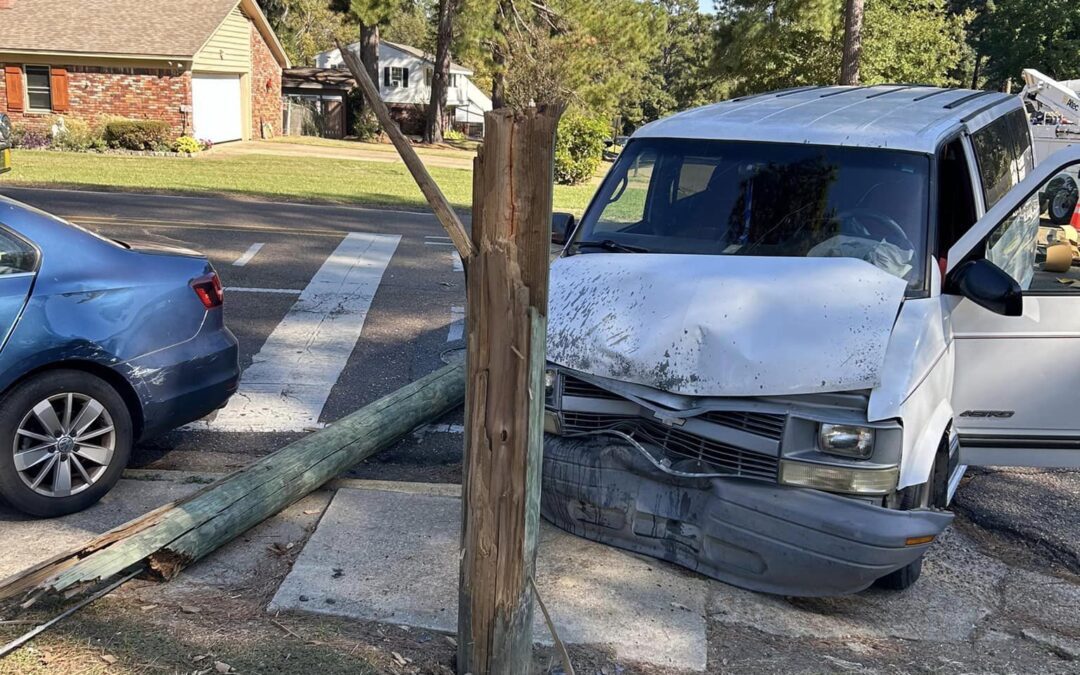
x,y
764,199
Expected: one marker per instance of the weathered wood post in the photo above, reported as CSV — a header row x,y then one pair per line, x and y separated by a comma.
x,y
504,402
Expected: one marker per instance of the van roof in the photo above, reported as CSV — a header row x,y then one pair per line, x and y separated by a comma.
x,y
901,116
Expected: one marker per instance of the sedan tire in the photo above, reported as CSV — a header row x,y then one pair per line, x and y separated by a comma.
x,y
65,438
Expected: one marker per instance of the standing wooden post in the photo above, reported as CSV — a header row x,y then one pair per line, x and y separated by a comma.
x,y
504,401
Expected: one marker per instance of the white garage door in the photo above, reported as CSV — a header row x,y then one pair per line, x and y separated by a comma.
x,y
218,113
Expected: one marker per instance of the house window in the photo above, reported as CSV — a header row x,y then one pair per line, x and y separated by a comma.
x,y
38,93
395,77
453,80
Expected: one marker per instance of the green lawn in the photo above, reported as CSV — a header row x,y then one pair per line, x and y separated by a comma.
x,y
279,178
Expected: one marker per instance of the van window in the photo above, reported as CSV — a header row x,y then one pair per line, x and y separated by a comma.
x,y
995,154
628,207
955,197
693,196
1021,135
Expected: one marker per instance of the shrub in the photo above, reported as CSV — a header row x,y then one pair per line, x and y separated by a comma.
x,y
579,148
186,144
76,135
137,134
453,135
366,126
206,143
30,139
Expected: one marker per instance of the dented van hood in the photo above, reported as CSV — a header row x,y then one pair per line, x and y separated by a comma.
x,y
703,325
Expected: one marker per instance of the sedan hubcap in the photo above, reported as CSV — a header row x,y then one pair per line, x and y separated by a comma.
x,y
64,445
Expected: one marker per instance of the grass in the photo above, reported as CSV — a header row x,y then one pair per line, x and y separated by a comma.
x,y
308,179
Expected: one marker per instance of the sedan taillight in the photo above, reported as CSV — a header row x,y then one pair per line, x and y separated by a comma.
x,y
208,288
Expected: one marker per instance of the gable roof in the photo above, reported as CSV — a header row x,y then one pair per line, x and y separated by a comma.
x,y
425,56
145,29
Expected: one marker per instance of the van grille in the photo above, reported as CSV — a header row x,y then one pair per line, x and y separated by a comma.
x,y
580,388
678,444
763,424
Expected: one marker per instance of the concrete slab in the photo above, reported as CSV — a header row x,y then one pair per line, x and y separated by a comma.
x,y
393,557
27,540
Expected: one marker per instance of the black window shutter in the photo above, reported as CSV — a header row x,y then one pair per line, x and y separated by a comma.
x,y
405,77
386,76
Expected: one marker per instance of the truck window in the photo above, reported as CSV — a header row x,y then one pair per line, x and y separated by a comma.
x,y
956,197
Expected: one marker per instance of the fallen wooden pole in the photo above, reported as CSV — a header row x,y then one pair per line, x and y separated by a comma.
x,y
507,289
172,537
438,202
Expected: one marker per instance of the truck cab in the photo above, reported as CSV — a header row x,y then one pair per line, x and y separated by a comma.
x,y
787,323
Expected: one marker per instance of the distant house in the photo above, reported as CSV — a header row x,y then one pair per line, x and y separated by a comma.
x,y
405,84
210,68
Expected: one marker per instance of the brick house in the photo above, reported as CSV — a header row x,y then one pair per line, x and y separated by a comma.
x,y
210,68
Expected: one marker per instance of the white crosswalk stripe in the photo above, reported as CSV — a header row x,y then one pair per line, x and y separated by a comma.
x,y
290,378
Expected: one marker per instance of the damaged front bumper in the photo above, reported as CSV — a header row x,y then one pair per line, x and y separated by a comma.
x,y
744,531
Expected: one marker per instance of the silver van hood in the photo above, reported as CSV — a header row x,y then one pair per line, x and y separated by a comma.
x,y
703,325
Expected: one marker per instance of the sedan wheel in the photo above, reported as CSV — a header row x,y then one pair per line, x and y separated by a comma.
x,y
65,438
64,444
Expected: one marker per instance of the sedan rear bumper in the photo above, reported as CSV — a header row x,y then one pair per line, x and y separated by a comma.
x,y
746,532
187,381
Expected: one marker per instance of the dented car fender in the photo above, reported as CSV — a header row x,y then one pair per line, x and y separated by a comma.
x,y
916,384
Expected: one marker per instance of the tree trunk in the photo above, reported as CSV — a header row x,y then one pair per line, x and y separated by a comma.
x,y
440,78
499,53
369,51
853,20
975,71
507,321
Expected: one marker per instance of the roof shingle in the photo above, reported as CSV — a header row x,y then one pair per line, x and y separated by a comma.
x,y
156,28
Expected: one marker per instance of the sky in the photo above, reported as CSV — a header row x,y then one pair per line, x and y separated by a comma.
x,y
706,6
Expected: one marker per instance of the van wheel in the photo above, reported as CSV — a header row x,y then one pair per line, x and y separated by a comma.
x,y
903,578
65,438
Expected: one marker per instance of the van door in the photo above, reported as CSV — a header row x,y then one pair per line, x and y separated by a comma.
x,y
1016,392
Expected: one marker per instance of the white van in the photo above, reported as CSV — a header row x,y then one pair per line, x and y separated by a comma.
x,y
787,323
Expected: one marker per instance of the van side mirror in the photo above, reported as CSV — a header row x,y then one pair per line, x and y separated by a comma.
x,y
987,285
562,226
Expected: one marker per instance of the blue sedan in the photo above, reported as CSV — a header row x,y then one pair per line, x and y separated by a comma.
x,y
101,343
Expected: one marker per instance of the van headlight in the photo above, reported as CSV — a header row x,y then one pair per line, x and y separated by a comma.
x,y
841,479
846,440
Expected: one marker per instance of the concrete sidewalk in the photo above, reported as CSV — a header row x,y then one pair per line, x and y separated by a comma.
x,y
392,556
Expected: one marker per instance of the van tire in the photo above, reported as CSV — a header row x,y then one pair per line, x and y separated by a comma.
x,y
903,578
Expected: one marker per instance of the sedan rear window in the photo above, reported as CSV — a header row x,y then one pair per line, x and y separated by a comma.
x,y
765,199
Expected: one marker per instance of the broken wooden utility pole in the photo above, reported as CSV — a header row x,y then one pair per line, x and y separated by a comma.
x,y
435,198
170,538
504,402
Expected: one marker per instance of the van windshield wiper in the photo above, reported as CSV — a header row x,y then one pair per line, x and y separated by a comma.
x,y
612,245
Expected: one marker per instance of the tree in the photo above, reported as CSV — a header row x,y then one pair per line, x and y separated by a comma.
x,y
433,127
306,27
849,62
1010,35
678,76
772,44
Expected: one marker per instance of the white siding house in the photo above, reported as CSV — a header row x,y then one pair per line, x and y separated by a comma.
x,y
405,85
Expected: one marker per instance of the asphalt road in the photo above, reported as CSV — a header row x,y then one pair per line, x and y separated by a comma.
x,y
407,331
1028,517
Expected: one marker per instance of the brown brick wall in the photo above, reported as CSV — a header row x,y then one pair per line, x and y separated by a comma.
x,y
265,88
137,93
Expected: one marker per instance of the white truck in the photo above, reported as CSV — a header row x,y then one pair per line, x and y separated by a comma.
x,y
1054,112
